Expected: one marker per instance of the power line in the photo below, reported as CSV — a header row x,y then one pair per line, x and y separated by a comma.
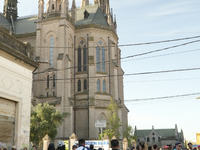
x,y
163,55
130,56
165,97
131,74
134,44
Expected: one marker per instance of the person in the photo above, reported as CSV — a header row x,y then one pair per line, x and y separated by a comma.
x,y
14,147
34,147
190,146
137,147
115,144
74,147
178,146
61,145
198,147
92,147
149,148
82,145
133,148
155,147
166,147
99,148
51,146
170,146
141,145
24,148
5,148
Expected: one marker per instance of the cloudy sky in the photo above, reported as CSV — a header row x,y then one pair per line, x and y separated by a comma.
x,y
141,21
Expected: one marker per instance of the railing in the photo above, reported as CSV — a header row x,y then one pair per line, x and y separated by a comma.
x,y
51,15
57,14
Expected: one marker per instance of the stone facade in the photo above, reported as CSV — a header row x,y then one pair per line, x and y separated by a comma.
x,y
16,67
80,68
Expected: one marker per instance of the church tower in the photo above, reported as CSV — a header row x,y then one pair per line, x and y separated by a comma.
x,y
10,10
84,3
103,4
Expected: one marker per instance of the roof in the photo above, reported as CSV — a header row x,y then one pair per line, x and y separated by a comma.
x,y
4,22
25,25
96,16
161,132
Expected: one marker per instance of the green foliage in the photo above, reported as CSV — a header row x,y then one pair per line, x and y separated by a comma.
x,y
114,122
109,132
128,133
44,120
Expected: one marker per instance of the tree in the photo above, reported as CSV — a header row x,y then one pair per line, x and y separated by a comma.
x,y
128,133
44,120
113,124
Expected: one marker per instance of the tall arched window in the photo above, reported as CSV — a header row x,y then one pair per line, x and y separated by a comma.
x,y
98,85
54,80
79,85
104,86
60,7
85,84
52,6
98,58
79,59
148,140
48,81
103,59
51,52
84,58
153,139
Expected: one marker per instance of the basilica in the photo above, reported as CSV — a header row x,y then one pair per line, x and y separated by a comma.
x,y
79,61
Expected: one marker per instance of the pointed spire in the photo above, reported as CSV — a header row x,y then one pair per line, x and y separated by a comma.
x,y
84,3
73,11
64,8
40,9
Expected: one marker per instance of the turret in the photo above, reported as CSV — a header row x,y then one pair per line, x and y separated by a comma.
x,y
55,6
10,10
40,9
84,3
73,11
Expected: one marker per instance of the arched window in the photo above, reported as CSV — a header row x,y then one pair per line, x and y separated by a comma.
x,y
60,7
148,140
98,58
51,52
98,85
84,58
48,81
104,86
52,6
159,139
54,80
153,139
79,59
85,84
79,85
103,59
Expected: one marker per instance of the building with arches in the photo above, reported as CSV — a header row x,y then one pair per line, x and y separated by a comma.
x,y
80,67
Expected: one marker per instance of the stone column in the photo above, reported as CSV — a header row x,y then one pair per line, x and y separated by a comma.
x,y
125,144
46,142
72,139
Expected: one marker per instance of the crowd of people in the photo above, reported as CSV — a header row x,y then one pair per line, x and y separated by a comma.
x,y
177,146
81,146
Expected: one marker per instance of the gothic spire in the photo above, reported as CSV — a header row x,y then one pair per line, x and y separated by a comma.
x,y
10,10
73,10
84,3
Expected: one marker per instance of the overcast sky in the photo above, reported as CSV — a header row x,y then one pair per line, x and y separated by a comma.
x,y
155,20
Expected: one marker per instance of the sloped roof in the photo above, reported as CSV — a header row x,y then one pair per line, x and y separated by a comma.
x,y
26,25
4,22
161,132
96,16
